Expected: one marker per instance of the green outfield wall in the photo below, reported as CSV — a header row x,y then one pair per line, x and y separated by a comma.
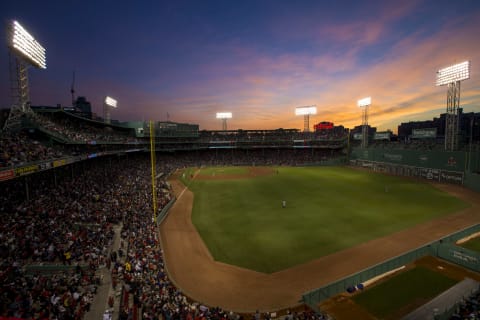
x,y
472,181
473,158
457,167
443,248
442,160
340,161
454,177
441,166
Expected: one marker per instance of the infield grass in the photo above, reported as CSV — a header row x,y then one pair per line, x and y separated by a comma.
x,y
328,209
412,288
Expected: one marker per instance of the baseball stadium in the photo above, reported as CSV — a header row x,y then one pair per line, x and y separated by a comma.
x,y
250,221
164,220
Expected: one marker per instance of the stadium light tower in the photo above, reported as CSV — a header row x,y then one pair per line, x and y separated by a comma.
x,y
451,76
108,104
306,112
364,103
224,116
24,51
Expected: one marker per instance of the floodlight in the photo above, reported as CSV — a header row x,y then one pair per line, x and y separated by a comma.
x,y
24,44
224,115
306,112
107,105
111,102
364,102
452,76
457,72
303,111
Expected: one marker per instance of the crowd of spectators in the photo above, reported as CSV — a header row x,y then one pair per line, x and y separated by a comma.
x,y
468,309
143,270
27,146
253,157
80,131
272,136
58,135
68,222
18,149
66,219
67,225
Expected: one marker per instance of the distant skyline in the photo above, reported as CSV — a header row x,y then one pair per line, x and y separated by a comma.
x,y
257,59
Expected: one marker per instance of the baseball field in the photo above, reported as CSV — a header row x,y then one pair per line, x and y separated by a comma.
x,y
238,211
228,241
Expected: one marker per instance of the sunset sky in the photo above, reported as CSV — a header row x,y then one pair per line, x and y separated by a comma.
x,y
257,59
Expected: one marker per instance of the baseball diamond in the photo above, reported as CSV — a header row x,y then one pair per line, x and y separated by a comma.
x,y
240,160
195,270
258,223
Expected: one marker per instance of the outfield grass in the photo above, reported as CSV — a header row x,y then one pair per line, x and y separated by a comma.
x,y
328,209
472,244
212,171
416,286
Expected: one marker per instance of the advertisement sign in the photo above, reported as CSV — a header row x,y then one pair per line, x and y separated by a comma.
x,y
324,125
45,165
7,174
386,135
357,136
59,163
430,133
26,170
451,177
428,173
392,157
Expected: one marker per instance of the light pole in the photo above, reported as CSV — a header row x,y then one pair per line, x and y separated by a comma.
x,y
470,143
364,103
306,112
107,105
224,116
451,77
24,52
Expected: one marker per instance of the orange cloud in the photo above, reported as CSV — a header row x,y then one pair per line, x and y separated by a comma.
x,y
262,89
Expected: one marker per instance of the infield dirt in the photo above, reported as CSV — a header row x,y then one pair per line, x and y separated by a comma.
x,y
193,270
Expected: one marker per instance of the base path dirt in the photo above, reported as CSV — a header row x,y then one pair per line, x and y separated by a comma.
x,y
252,172
193,270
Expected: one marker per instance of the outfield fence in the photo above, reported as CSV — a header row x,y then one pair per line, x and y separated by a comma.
x,y
340,161
472,181
442,248
453,177
457,167
432,159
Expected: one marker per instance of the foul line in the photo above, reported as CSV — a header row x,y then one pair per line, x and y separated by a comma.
x,y
185,188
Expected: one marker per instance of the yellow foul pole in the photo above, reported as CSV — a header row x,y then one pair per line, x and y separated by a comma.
x,y
153,162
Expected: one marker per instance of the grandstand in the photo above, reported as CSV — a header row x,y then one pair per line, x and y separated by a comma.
x,y
107,219
40,160
81,238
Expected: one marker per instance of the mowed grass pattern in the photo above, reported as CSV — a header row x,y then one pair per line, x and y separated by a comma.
x,y
328,209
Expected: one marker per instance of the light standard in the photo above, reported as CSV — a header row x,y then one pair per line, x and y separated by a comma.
x,y
470,143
